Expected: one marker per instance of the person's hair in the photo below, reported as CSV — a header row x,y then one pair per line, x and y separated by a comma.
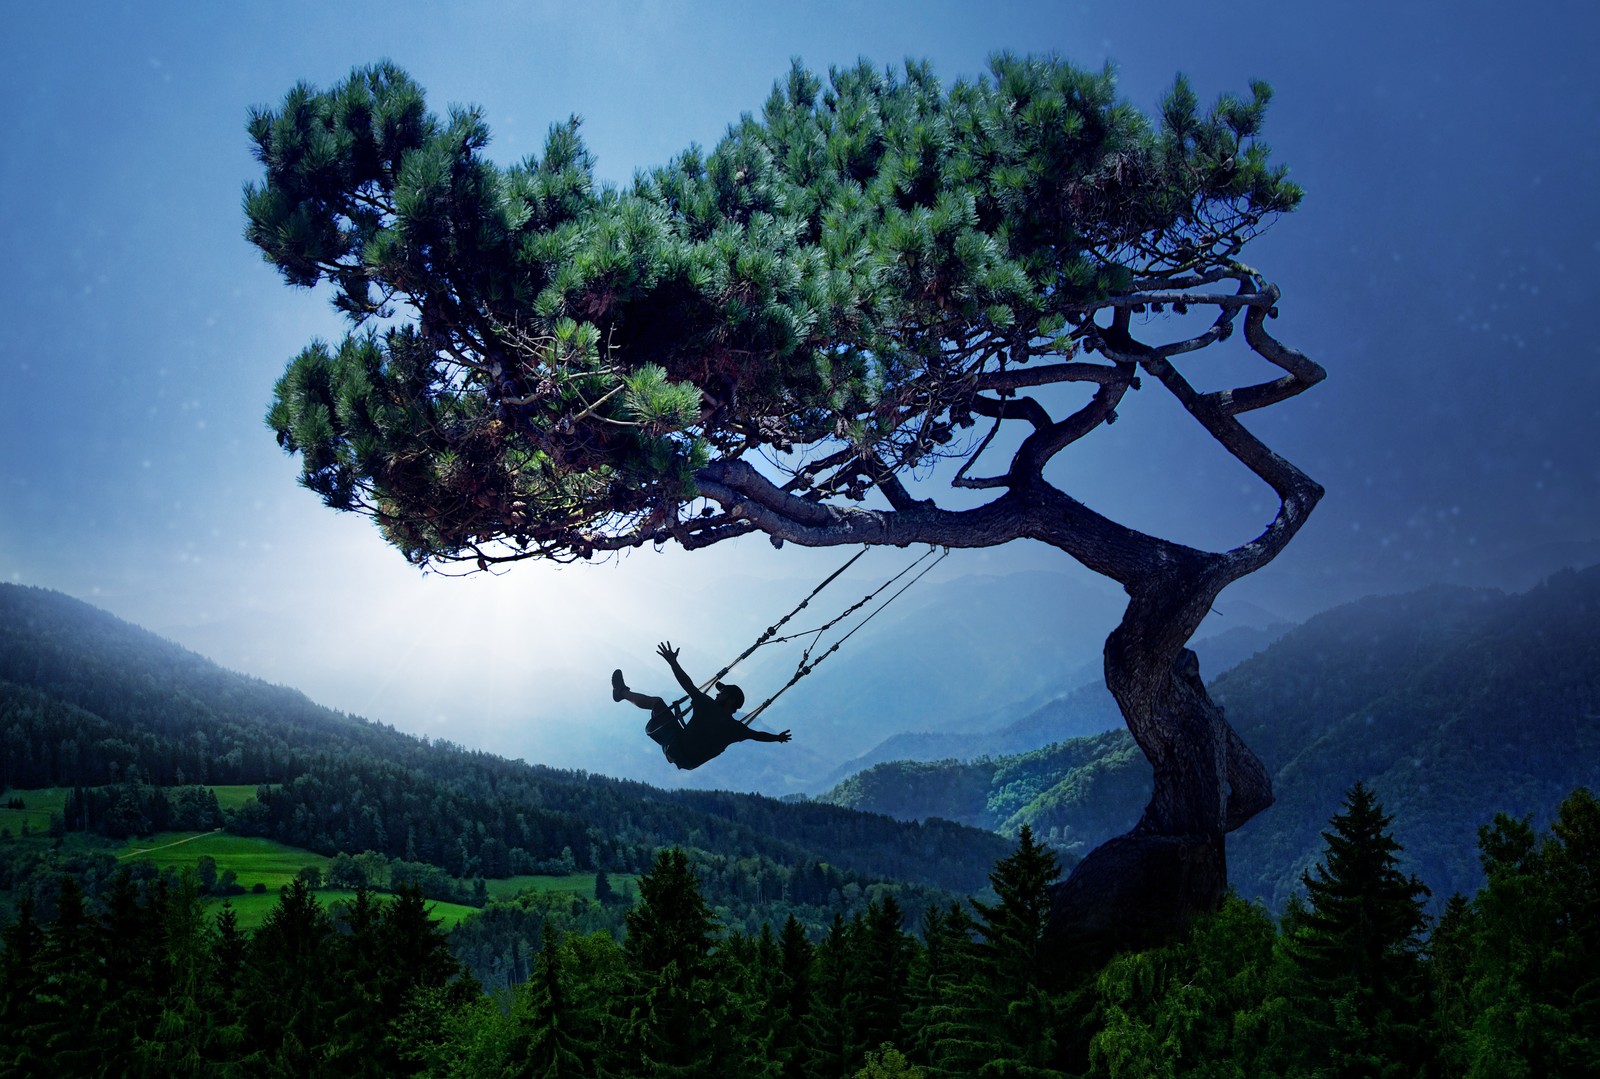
x,y
733,695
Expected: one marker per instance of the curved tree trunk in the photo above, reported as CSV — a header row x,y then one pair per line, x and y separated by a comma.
x,y
1141,886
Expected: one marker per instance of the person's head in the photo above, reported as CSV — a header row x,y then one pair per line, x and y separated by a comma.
x,y
732,697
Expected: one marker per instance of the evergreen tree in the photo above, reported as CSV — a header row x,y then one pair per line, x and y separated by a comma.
x,y
746,973
1357,950
288,1000
1012,932
1534,998
1190,1008
792,1000
184,1034
21,975
673,1009
1012,1014
950,1034
1451,947
552,1036
828,1053
69,993
419,981
359,1024
131,954
881,954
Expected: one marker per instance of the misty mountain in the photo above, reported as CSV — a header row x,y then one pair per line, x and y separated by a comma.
x,y
1027,725
944,653
975,665
87,700
1452,703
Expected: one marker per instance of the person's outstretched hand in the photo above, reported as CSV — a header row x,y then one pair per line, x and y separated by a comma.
x,y
667,652
783,736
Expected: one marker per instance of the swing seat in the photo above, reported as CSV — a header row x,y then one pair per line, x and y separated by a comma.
x,y
664,726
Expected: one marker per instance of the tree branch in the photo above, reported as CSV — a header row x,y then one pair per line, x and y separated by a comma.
x,y
1019,378
1297,492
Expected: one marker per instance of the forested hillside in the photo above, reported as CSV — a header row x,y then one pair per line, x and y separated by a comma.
x,y
1078,705
87,700
1453,704
142,980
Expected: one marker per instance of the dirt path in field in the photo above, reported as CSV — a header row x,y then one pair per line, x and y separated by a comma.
x,y
174,843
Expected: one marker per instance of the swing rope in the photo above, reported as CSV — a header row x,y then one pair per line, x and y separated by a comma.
x,y
766,636
807,664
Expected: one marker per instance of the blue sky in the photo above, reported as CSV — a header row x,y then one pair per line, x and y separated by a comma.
x,y
1440,269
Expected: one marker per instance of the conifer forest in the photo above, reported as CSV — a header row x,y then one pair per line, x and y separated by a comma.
x,y
1355,979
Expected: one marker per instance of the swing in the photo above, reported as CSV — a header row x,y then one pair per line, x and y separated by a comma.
x,y
806,664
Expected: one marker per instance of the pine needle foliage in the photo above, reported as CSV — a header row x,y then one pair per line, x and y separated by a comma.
x,y
540,364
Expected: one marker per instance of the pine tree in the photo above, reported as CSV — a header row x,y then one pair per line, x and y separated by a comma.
x,y
828,1052
1450,953
877,999
1012,944
552,1036
287,1001
1357,949
874,265
949,1035
1193,1007
21,955
672,1009
1013,961
419,982
182,1038
792,999
1533,996
70,963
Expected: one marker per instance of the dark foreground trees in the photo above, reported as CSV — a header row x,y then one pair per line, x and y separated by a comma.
x,y
873,276
139,981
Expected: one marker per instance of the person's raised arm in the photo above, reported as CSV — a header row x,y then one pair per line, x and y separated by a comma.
x,y
670,654
766,736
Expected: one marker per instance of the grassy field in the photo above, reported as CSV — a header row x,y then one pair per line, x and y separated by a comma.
x,y
252,910
577,883
264,861
255,860
40,804
234,797
47,800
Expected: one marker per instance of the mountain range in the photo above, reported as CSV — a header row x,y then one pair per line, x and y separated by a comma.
x,y
89,700
1452,703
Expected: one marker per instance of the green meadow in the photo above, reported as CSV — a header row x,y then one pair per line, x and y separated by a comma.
x,y
256,861
576,884
264,861
235,796
40,803
252,909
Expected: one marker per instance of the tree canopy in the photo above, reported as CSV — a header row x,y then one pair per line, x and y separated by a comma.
x,y
757,336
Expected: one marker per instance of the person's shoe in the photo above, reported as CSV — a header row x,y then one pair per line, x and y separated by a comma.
x,y
619,688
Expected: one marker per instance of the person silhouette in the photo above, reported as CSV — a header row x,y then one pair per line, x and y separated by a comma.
x,y
711,727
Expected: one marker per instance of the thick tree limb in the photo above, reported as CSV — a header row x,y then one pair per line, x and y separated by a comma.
x,y
1015,378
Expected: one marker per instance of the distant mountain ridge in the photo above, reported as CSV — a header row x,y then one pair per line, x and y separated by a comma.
x,y
1050,717
87,699
1452,703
